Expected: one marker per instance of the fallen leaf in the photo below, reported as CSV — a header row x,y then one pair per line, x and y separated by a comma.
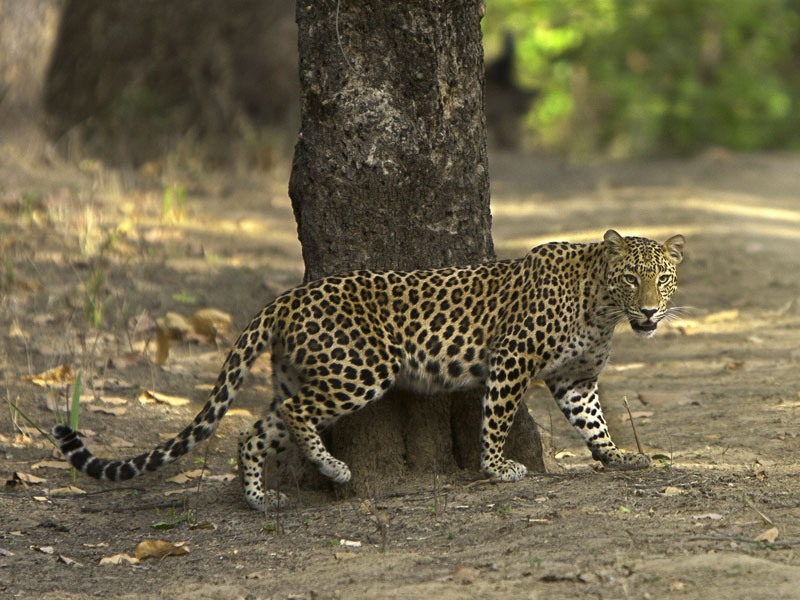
x,y
671,490
70,490
170,327
677,586
60,375
193,475
118,442
18,477
51,464
43,549
114,400
160,549
113,411
350,543
465,575
149,397
118,559
210,322
770,535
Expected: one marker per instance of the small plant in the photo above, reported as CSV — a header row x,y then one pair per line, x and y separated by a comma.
x,y
662,460
173,201
184,298
506,509
173,519
74,415
94,301
9,275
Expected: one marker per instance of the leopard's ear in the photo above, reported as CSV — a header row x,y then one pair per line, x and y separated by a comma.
x,y
673,248
615,243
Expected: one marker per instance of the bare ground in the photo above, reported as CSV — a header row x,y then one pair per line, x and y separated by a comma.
x,y
716,396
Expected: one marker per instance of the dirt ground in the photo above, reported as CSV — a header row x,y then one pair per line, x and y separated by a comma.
x,y
714,396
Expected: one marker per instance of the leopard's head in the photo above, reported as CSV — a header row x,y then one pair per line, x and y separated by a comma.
x,y
641,278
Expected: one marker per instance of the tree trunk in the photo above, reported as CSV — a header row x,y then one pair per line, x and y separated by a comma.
x,y
27,35
390,172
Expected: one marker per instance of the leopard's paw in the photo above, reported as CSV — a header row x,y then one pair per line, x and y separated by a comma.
x,y
506,470
625,461
259,500
335,470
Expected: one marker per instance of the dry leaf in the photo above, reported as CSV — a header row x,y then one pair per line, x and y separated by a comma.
x,y
118,559
118,442
43,549
51,464
60,375
465,575
25,478
210,322
189,476
170,327
350,543
677,586
149,396
671,490
113,411
770,535
70,490
114,400
159,549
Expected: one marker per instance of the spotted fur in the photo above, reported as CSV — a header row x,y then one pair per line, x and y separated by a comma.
x,y
342,342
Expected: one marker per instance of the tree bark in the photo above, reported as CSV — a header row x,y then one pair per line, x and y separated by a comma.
x,y
390,172
27,35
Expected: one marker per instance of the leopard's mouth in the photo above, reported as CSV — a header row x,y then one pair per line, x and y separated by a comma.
x,y
645,329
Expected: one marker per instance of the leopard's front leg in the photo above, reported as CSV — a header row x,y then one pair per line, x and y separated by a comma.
x,y
580,403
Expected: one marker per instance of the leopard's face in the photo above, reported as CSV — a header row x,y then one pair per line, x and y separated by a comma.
x,y
642,278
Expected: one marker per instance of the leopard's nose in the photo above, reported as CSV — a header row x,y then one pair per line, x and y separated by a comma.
x,y
648,312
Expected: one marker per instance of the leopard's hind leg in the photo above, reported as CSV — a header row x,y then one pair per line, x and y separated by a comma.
x,y
323,400
266,436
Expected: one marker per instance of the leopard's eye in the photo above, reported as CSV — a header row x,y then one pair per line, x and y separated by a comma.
x,y
664,278
631,279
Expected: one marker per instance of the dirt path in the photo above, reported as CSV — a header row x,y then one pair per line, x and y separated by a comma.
x,y
716,396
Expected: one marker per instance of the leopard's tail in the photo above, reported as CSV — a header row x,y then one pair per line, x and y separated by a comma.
x,y
249,345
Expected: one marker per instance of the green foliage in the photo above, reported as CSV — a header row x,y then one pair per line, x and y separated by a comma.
x,y
94,299
628,78
74,415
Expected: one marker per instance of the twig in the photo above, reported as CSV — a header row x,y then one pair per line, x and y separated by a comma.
x,y
633,425
744,540
477,482
752,505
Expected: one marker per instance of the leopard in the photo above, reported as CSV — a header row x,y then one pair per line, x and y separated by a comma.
x,y
341,342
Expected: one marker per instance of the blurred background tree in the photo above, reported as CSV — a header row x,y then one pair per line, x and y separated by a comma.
x,y
132,82
621,78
